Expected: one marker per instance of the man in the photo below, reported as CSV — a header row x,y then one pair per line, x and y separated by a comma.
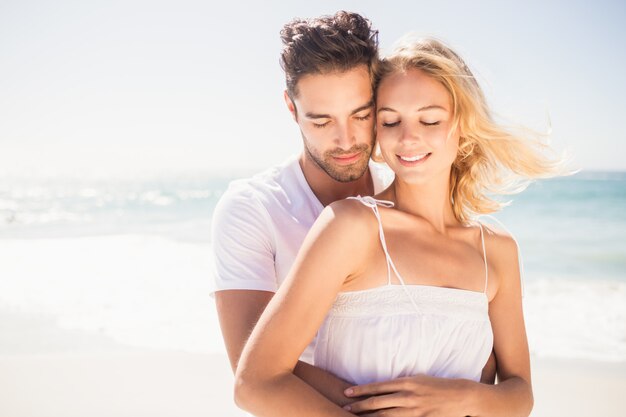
x,y
260,223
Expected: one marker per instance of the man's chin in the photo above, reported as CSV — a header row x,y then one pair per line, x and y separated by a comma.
x,y
347,179
349,173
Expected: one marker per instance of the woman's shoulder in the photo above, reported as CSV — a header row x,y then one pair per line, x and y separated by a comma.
x,y
351,212
345,226
349,218
499,241
502,251
498,235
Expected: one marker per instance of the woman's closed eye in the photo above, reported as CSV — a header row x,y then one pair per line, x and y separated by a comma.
x,y
390,124
430,123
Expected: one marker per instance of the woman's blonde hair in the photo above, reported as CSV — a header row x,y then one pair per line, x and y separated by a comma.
x,y
491,160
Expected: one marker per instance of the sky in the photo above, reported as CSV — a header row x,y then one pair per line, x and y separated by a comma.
x,y
127,88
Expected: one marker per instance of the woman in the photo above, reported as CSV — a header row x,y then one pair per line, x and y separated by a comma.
x,y
407,283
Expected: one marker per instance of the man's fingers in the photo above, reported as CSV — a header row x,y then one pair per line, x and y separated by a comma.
x,y
379,402
391,412
376,388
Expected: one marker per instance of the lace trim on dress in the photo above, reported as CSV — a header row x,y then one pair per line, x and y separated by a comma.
x,y
392,299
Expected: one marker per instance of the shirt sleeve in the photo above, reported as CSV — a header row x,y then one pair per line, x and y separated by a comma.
x,y
242,243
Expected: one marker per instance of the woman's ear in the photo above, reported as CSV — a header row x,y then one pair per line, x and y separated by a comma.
x,y
377,155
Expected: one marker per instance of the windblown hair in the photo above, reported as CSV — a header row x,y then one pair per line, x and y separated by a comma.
x,y
327,44
491,160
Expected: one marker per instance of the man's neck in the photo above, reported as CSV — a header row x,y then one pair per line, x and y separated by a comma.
x,y
327,190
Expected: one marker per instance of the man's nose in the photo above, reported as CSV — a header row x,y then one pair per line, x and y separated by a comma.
x,y
344,136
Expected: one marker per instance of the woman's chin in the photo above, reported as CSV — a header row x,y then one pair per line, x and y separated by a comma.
x,y
413,178
422,175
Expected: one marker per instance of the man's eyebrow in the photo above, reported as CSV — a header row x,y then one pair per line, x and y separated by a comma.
x,y
430,107
363,107
310,115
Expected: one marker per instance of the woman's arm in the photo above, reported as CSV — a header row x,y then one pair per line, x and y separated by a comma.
x,y
335,249
512,396
239,311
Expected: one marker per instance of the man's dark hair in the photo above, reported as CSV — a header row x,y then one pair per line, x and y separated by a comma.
x,y
327,44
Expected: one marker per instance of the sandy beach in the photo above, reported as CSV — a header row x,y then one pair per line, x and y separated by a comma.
x,y
121,323
157,383
116,385
122,124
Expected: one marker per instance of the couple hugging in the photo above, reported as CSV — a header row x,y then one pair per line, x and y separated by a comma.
x,y
344,289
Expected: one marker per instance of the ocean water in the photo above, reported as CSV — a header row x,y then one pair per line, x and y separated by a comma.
x,y
124,264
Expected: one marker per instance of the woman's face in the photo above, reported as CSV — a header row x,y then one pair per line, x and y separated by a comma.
x,y
414,117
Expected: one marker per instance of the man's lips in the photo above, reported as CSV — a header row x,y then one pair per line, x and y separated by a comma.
x,y
347,159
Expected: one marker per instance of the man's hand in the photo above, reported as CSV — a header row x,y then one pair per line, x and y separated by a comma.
x,y
411,396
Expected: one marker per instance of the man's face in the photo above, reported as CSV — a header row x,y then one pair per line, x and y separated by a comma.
x,y
335,113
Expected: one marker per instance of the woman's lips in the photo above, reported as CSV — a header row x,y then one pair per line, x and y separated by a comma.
x,y
413,160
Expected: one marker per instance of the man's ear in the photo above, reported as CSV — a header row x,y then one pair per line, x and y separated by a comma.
x,y
290,105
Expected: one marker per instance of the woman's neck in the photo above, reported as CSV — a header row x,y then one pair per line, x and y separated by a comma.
x,y
429,200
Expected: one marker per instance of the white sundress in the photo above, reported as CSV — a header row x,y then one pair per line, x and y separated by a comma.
x,y
401,330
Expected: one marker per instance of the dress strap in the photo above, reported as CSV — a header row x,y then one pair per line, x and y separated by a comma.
x,y
371,201
519,252
482,239
373,204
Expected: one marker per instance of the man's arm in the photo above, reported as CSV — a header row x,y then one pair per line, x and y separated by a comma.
x,y
245,279
488,375
238,312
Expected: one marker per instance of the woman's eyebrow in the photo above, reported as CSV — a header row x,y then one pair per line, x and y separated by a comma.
x,y
432,107
429,107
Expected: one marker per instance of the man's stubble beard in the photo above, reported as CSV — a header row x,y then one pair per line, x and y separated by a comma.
x,y
337,172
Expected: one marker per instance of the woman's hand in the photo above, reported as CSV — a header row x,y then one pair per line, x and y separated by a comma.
x,y
419,395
